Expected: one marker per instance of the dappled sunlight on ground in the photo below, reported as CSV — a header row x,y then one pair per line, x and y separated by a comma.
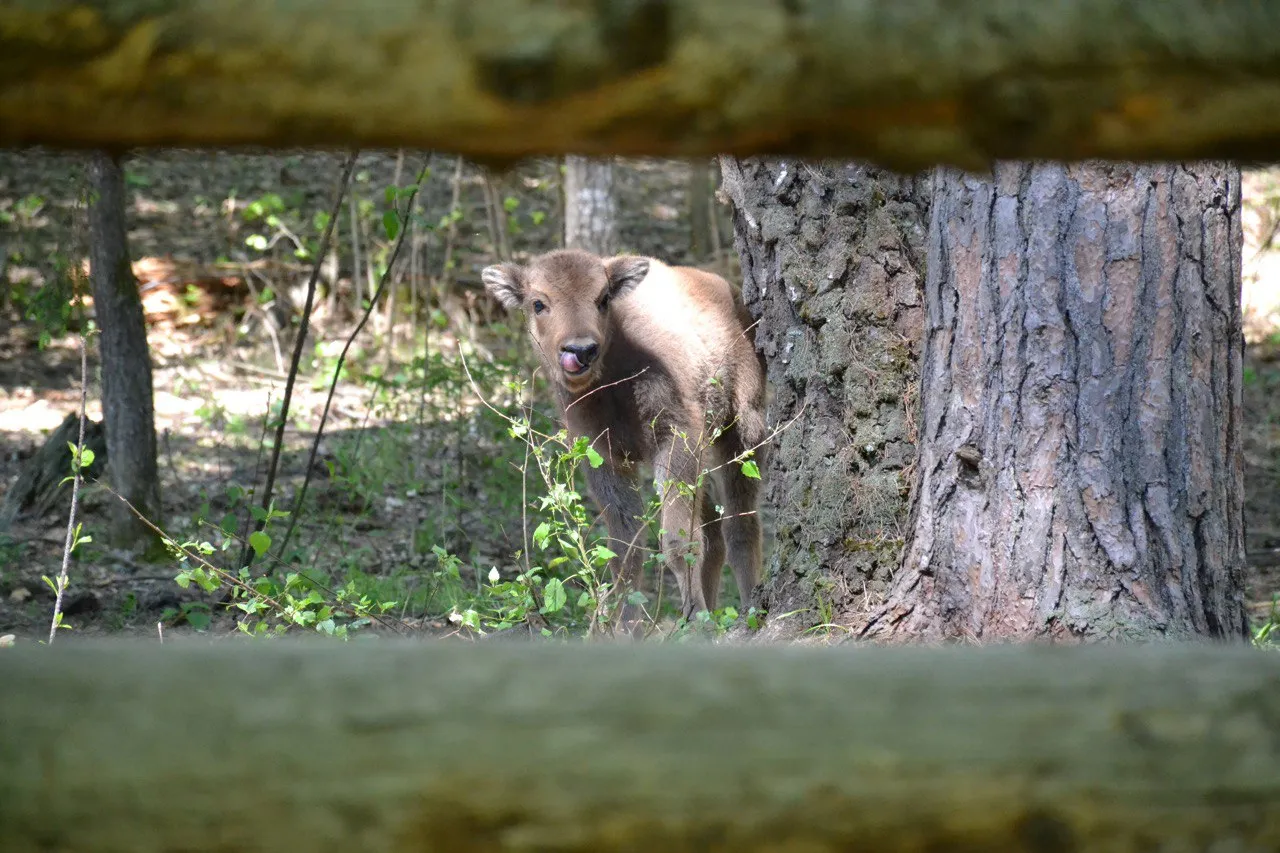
x,y
1261,258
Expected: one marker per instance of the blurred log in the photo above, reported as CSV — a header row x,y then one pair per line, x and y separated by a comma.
x,y
907,83
383,746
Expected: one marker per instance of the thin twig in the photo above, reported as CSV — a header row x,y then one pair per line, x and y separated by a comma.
x,y
337,372
635,375
267,321
304,324
75,492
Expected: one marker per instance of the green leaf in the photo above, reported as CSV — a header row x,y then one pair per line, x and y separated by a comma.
x,y
594,458
256,241
553,596
391,222
259,541
197,615
541,533
750,469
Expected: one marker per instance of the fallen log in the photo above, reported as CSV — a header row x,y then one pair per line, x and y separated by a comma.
x,y
382,746
907,83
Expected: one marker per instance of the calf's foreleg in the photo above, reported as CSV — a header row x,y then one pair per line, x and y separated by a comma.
x,y
620,501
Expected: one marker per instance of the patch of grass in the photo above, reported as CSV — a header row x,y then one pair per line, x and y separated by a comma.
x,y
1267,633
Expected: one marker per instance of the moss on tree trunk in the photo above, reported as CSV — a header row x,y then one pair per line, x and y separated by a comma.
x,y
831,265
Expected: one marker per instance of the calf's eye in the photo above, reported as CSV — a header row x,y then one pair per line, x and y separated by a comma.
x,y
539,306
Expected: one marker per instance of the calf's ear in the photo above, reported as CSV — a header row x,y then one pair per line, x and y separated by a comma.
x,y
625,273
505,282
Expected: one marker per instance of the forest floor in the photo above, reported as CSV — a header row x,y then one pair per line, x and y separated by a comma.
x,y
399,469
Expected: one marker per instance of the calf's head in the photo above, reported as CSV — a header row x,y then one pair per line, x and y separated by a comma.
x,y
567,296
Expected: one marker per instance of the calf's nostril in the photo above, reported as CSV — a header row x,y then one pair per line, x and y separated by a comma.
x,y
584,354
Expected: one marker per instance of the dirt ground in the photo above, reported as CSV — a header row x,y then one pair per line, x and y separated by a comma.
x,y
434,474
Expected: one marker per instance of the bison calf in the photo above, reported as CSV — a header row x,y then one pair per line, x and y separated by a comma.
x,y
653,364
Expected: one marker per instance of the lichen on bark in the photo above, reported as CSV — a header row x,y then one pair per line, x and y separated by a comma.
x,y
832,266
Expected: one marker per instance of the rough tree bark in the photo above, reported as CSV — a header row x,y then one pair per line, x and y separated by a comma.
x,y
128,416
832,268
1080,468
590,207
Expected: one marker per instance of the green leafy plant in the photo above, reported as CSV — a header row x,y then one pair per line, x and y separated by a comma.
x,y
270,604
1267,634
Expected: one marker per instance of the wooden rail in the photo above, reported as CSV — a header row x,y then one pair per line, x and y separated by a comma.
x,y
389,747
908,83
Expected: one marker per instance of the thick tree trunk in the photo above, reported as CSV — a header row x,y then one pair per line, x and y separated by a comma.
x,y
590,208
831,265
1080,469
126,362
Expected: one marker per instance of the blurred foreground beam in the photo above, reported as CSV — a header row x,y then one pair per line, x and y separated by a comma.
x,y
377,746
907,83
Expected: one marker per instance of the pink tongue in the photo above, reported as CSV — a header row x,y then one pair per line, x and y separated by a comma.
x,y
570,362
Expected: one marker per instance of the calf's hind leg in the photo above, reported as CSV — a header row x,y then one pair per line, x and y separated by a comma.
x,y
743,533
676,471
712,548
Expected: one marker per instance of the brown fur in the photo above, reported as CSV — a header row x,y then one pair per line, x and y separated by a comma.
x,y
676,383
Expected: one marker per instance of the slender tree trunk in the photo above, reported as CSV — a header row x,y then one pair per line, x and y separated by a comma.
x,y
590,208
700,210
497,218
831,264
126,362
1080,468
